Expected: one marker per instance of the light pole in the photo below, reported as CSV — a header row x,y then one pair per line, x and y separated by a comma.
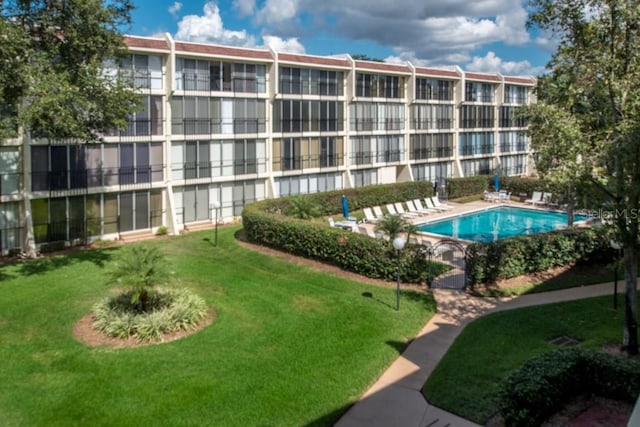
x,y
616,246
398,245
216,206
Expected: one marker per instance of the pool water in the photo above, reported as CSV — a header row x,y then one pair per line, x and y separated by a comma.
x,y
498,223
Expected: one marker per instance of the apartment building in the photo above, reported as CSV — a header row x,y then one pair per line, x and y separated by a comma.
x,y
220,127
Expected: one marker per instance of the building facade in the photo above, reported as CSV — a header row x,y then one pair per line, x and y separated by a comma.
x,y
219,127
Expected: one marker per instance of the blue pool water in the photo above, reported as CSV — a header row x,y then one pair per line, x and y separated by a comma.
x,y
498,223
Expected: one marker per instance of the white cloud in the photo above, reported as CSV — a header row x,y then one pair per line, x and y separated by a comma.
x,y
175,8
209,28
278,44
491,63
275,12
244,7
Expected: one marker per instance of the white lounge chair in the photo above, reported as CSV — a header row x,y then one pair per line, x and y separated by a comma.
x,y
377,211
504,196
421,208
403,213
345,225
438,204
546,199
411,207
430,205
369,216
536,197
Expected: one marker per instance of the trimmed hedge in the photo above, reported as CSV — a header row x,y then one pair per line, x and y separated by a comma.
x,y
462,187
265,222
541,387
515,256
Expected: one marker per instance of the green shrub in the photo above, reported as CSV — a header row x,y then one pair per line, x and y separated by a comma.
x,y
265,222
515,256
162,230
170,310
541,386
462,187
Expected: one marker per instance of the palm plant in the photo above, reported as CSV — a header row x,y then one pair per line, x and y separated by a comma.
x,y
392,225
303,207
139,269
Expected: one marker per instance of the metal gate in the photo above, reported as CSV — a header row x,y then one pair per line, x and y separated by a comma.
x,y
454,254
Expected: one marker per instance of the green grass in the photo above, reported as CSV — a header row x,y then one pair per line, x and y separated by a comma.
x,y
290,346
469,199
466,380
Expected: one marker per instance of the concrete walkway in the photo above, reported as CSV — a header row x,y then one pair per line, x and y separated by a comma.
x,y
395,399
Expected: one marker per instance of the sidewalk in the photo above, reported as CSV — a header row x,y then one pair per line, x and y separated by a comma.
x,y
395,399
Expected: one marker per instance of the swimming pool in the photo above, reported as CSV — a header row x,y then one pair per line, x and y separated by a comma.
x,y
498,223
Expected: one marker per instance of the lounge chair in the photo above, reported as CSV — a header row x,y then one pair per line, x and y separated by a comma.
x,y
369,216
377,211
430,205
411,207
438,204
345,225
403,213
504,196
536,197
367,231
547,199
421,208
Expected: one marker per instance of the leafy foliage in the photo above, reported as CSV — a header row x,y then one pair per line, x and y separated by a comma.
x,y
515,256
140,268
53,54
591,100
265,222
461,187
303,208
169,311
541,386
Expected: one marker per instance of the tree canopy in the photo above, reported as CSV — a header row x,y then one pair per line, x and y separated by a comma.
x,y
587,123
52,82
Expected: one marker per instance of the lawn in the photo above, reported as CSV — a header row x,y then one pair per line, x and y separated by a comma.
x,y
290,346
466,380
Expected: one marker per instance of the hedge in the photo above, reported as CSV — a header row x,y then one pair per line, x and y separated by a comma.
x,y
543,385
515,256
265,223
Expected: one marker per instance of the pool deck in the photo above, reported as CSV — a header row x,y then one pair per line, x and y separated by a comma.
x,y
457,210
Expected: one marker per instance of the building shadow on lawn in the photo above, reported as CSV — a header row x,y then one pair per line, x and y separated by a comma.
x,y
99,257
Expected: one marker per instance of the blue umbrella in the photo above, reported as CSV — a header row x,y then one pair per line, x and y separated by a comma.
x,y
496,181
345,206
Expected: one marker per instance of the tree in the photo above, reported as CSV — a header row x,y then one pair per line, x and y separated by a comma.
x,y
139,269
594,82
52,80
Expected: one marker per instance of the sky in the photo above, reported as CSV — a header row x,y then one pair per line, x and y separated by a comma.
x,y
477,35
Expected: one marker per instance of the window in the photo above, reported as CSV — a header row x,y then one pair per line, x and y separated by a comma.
x,y
516,94
144,71
479,92
474,143
202,75
10,171
389,148
476,167
477,116
432,89
379,86
426,146
437,116
145,122
511,118
361,152
513,141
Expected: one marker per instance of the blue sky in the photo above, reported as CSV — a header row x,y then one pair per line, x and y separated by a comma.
x,y
480,35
